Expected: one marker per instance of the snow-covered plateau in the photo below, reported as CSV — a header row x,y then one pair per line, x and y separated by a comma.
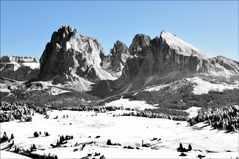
x,y
130,137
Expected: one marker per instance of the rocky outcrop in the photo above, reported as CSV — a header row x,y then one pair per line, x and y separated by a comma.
x,y
19,68
224,67
119,55
115,61
72,58
78,62
139,44
165,59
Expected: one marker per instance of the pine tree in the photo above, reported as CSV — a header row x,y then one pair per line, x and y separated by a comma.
x,y
180,147
189,147
36,134
12,137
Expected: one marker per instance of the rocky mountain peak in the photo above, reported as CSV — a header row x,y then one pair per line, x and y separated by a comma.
x,y
119,48
71,57
166,59
118,56
64,33
180,46
139,42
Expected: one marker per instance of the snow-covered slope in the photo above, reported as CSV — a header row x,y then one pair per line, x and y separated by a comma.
x,y
203,87
11,155
126,103
200,85
181,46
163,135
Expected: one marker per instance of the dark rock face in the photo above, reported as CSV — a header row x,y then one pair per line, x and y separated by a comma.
x,y
72,57
79,61
115,61
19,68
165,59
139,44
169,58
119,55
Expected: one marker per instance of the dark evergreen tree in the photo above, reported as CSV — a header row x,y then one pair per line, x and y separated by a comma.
x,y
36,134
189,147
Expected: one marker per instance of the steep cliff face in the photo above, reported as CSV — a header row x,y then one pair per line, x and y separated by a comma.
x,y
139,44
71,57
78,62
165,59
116,60
19,68
119,55
168,58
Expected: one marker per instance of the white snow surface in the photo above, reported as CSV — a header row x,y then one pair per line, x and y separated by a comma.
x,y
203,86
126,130
126,103
181,46
11,155
193,111
32,65
156,88
18,62
56,91
16,65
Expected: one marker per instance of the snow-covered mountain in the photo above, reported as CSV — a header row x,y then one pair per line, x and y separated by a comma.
x,y
19,68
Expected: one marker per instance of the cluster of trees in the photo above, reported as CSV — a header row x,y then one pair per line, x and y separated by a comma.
x,y
92,108
34,155
62,140
160,113
183,98
37,134
19,110
219,118
37,156
42,98
113,144
10,111
6,138
182,149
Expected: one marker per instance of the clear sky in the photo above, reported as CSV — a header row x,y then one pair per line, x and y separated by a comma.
x,y
26,26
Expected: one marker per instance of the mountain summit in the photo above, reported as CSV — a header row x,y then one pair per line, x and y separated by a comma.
x,y
72,59
181,46
165,59
77,61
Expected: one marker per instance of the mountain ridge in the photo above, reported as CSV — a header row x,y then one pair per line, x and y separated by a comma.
x,y
79,62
